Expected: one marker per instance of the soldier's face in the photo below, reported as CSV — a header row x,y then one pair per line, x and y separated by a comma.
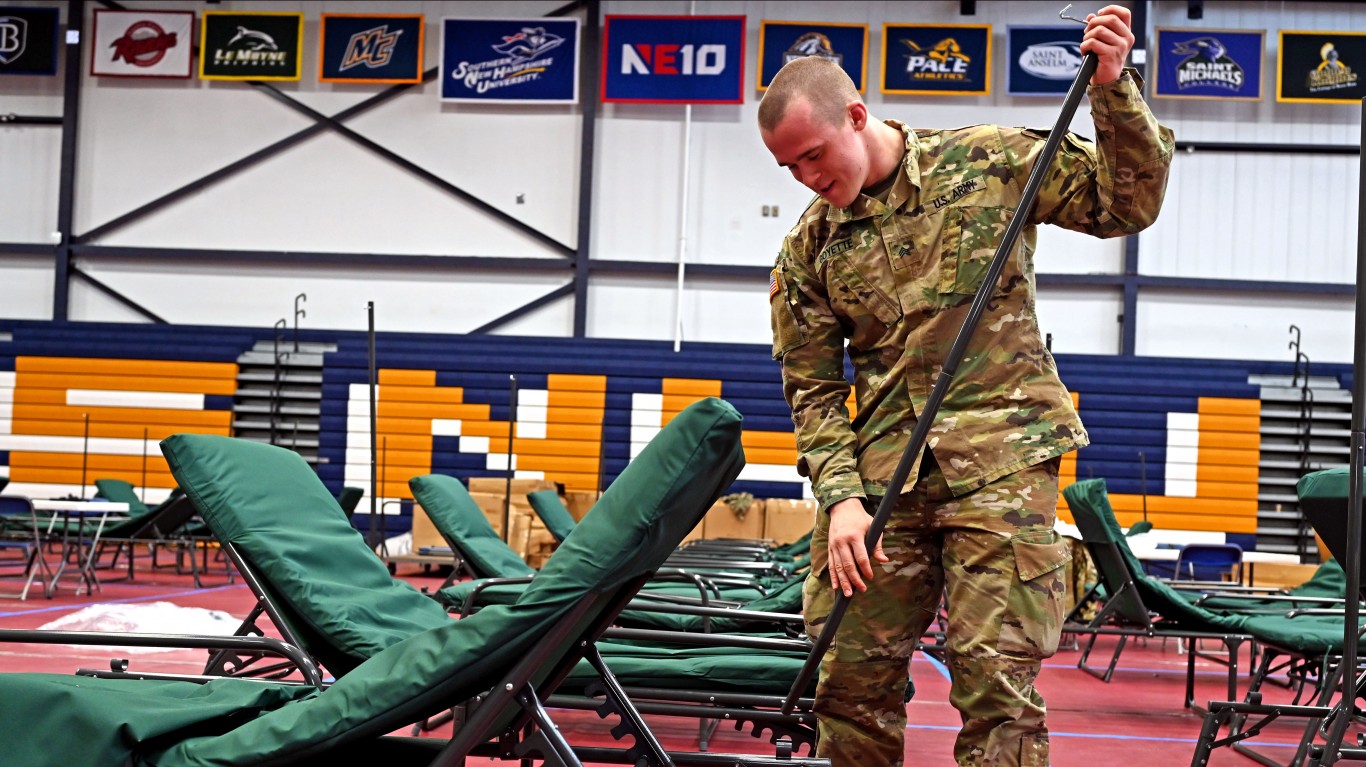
x,y
830,160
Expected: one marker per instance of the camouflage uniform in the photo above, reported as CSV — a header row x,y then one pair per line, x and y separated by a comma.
x,y
895,281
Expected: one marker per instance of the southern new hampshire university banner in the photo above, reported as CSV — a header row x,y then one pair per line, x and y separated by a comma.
x,y
1321,67
936,59
370,48
28,41
673,59
263,45
783,41
510,61
1224,64
142,44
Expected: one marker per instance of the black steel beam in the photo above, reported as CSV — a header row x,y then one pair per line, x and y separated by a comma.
x,y
492,263
525,309
588,89
14,119
248,161
26,249
412,167
66,195
1265,148
117,296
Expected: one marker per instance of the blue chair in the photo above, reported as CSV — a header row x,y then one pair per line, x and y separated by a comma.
x,y
1216,562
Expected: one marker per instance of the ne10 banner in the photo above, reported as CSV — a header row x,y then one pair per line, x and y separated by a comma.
x,y
1224,64
936,59
1321,67
673,59
783,41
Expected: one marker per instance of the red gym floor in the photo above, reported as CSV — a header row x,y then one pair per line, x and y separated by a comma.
x,y
1138,718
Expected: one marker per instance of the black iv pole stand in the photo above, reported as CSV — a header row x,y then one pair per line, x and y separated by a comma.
x,y
925,418
1345,711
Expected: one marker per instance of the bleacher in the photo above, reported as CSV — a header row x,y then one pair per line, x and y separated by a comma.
x,y
1178,439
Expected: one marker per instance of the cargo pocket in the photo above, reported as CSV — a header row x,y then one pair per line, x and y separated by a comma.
x,y
789,332
1038,595
970,236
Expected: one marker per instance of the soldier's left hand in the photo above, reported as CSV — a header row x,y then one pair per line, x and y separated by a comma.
x,y
1109,37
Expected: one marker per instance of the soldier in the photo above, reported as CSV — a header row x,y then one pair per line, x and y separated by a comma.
x,y
886,260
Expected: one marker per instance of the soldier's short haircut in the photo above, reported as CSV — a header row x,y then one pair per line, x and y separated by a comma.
x,y
817,80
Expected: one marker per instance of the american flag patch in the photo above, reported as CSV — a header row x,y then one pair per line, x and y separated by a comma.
x,y
773,283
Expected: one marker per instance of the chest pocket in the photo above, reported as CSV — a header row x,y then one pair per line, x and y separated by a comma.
x,y
857,292
971,234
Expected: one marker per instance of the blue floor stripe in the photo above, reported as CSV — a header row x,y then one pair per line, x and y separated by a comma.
x,y
940,667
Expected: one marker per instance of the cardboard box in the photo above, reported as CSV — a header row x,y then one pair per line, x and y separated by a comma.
x,y
424,532
520,487
787,519
579,502
723,522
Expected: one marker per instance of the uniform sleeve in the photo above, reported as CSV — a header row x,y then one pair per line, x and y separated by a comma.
x,y
808,343
1113,186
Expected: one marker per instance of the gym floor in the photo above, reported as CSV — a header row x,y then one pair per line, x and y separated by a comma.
x,y
1138,716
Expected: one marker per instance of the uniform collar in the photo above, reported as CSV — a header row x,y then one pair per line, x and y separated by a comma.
x,y
906,187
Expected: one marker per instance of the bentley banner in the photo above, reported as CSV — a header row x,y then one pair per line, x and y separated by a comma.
x,y
28,41
783,41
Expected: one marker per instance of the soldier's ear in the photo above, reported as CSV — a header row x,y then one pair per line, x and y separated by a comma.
x,y
858,115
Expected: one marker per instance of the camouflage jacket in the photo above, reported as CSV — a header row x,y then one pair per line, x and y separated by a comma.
x,y
895,281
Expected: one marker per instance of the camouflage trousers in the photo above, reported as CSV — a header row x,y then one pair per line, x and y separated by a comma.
x,y
994,554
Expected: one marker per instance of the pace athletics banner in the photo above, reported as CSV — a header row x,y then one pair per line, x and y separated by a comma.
x,y
783,41
370,48
28,41
1042,60
510,61
1223,64
251,46
936,59
673,59
1321,67
142,44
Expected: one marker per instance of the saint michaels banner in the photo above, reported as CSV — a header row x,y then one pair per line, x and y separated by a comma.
x,y
1223,64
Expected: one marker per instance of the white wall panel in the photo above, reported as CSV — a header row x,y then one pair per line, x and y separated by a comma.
x,y
26,287
1264,217
1248,327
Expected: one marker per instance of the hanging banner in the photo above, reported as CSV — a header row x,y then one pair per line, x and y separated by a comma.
x,y
673,59
142,44
370,48
783,41
936,59
251,46
1224,64
28,41
1321,67
1042,61
510,61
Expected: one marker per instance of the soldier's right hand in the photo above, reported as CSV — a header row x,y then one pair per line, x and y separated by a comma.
x,y
849,563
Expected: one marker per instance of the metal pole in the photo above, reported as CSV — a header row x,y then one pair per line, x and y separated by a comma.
x,y
683,213
144,465
1346,707
925,418
512,431
374,471
85,451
